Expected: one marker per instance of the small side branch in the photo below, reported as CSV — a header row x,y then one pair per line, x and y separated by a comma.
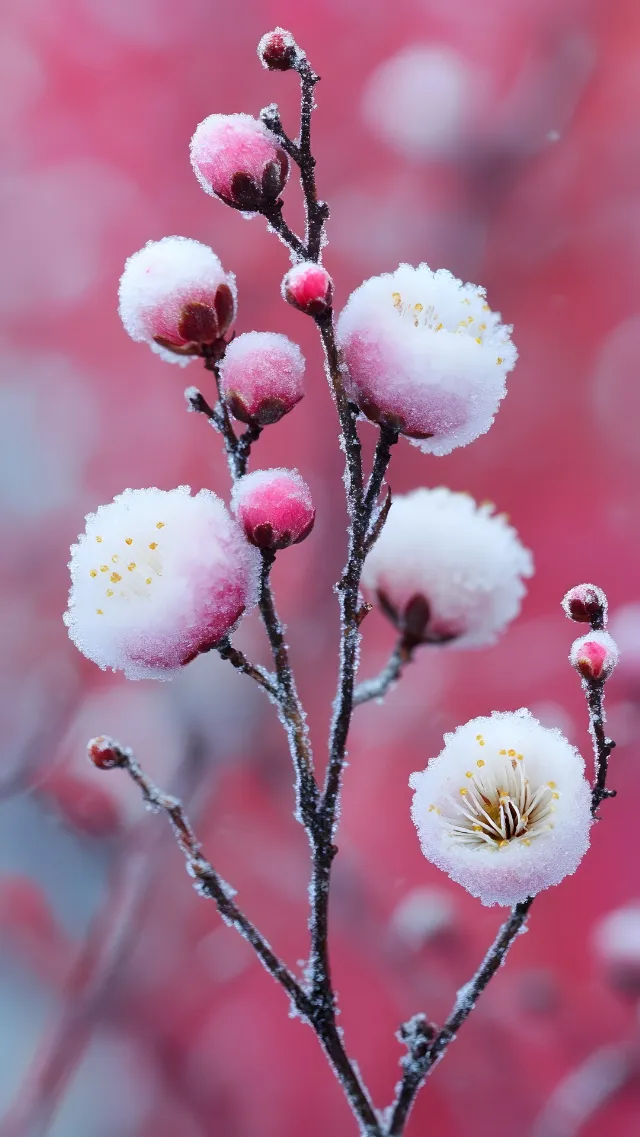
x,y
422,1057
602,746
209,883
377,688
238,659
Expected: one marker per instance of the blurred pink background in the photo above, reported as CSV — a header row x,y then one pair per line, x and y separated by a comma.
x,y
499,140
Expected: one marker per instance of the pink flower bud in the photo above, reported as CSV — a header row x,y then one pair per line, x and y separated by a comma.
x,y
261,377
237,159
105,753
308,287
594,655
586,603
425,354
274,508
277,50
156,578
175,295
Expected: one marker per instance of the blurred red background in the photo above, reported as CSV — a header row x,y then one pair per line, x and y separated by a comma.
x,y
501,141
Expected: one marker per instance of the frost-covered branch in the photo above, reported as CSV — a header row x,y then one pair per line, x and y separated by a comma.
x,y
422,1057
377,688
238,659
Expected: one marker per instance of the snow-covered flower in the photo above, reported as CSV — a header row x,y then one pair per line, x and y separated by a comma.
x,y
156,578
274,508
447,570
505,808
309,287
594,655
236,158
586,603
261,377
616,940
426,354
174,293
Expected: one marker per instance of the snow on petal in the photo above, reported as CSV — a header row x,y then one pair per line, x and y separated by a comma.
x,y
157,577
505,808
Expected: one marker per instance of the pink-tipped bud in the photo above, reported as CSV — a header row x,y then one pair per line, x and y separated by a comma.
x,y
237,159
175,295
274,507
594,656
277,50
261,377
586,604
308,287
105,753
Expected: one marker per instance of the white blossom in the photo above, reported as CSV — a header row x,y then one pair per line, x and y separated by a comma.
x,y
505,808
463,562
156,578
425,353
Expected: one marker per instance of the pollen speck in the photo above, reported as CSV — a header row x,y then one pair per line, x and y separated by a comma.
x,y
159,524
469,774
131,566
99,612
463,791
99,540
109,592
499,360
94,572
115,577
104,568
480,762
115,558
128,540
511,753
153,545
148,580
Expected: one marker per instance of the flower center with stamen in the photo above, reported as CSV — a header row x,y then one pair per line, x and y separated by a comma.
x,y
499,804
128,570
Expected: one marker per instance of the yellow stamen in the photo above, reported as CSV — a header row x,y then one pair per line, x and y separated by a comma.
x,y
104,568
131,566
109,592
499,360
148,580
551,785
480,762
99,612
153,545
511,753
115,577
469,774
159,524
94,572
115,558
463,791
128,540
99,540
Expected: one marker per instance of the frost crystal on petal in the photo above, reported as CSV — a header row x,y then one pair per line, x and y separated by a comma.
x,y
236,158
446,570
505,808
156,578
426,354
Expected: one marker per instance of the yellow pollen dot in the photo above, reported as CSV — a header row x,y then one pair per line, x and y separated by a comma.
x,y
504,797
511,753
466,300
486,308
418,307
99,612
469,774
527,841
128,540
431,808
109,592
482,327
463,791
439,327
159,524
477,828
520,757
502,844
115,577
153,545
478,340
551,785
99,540
131,566
397,298
94,572
480,762
104,568
525,818
115,558
555,795
499,360
469,320
478,737
502,752
481,743
148,580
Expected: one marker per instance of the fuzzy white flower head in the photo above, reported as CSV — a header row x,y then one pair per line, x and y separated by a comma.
x,y
175,293
505,808
446,570
425,353
156,578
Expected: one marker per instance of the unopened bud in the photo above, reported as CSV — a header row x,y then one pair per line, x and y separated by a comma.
x,y
274,508
308,287
105,752
277,50
261,377
586,604
237,159
594,656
